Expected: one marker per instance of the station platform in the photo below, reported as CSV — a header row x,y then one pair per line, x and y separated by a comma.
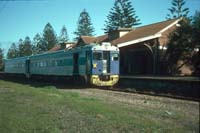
x,y
181,86
179,78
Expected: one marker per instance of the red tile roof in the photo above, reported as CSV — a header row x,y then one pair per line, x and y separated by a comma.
x,y
55,48
103,38
90,39
87,39
143,31
60,46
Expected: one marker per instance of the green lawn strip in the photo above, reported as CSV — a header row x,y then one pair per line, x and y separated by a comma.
x,y
28,109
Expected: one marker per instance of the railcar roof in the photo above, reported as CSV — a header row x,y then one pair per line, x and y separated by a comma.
x,y
80,48
18,58
92,46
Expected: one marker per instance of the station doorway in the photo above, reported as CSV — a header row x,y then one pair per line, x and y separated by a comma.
x,y
136,60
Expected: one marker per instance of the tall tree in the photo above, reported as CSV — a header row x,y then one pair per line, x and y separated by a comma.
x,y
39,45
196,33
179,49
183,49
85,27
196,20
177,10
122,15
63,35
25,47
21,47
13,51
1,58
49,36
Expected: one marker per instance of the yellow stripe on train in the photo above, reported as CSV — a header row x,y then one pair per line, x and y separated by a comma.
x,y
95,80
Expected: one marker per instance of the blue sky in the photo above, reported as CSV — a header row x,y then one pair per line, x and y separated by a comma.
x,y
21,18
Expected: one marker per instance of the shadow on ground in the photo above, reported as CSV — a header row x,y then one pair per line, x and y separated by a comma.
x,y
38,82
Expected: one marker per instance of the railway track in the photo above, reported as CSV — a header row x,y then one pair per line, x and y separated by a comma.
x,y
63,84
150,93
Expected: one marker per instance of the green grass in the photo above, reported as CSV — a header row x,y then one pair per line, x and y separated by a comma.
x,y
24,108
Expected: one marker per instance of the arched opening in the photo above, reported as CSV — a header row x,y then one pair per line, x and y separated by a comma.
x,y
136,59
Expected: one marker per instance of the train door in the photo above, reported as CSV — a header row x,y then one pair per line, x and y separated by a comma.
x,y
75,64
27,68
106,61
88,62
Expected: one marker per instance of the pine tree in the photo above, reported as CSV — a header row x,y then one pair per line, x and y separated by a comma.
x,y
20,48
63,35
183,45
122,15
84,27
196,40
39,45
196,20
179,48
13,51
27,46
177,10
1,59
49,36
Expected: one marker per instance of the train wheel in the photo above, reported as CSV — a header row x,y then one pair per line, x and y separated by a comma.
x,y
84,80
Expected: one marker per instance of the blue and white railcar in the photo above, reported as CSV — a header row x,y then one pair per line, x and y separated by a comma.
x,y
96,64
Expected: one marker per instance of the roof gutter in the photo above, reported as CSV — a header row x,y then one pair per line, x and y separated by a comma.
x,y
171,25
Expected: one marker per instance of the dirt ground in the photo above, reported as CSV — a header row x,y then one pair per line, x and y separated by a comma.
x,y
169,105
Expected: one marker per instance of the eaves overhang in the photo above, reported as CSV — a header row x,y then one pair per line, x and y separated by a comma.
x,y
139,40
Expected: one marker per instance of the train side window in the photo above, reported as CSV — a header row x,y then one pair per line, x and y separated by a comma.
x,y
56,62
65,62
53,63
59,62
44,64
97,56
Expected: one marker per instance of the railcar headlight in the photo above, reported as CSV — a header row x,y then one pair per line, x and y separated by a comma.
x,y
95,65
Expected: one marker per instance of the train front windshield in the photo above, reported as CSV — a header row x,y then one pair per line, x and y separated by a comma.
x,y
105,62
97,56
105,55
